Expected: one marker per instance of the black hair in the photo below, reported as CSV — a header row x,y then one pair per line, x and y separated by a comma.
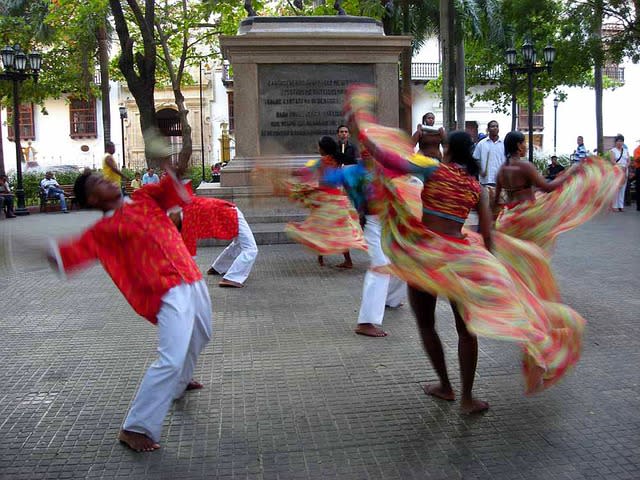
x,y
80,190
424,117
461,146
619,137
328,145
108,144
511,141
342,126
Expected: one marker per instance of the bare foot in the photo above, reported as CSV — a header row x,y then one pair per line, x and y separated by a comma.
x,y
370,330
440,392
321,260
137,441
345,265
194,385
474,405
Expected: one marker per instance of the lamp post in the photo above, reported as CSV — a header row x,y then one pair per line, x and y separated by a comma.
x,y
123,116
556,102
18,67
529,67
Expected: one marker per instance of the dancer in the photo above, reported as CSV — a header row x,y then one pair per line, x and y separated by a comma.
x,y
167,289
380,290
332,225
428,137
518,177
436,256
570,201
215,218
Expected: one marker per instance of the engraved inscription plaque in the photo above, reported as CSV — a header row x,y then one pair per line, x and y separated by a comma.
x,y
301,102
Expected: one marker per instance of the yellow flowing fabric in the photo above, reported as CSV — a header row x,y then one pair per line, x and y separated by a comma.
x,y
509,295
590,189
332,226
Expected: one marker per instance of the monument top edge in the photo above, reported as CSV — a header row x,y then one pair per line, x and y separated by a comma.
x,y
345,24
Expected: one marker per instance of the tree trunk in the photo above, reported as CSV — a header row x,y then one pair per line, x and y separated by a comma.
x,y
460,84
176,81
448,63
139,69
598,56
103,61
405,87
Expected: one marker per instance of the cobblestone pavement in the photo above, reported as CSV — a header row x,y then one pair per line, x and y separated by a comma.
x,y
292,393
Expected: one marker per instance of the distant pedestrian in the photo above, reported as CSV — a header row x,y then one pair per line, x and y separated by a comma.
x,y
580,153
636,164
150,177
619,156
110,170
347,153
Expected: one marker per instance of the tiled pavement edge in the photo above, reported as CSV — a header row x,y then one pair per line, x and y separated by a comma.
x,y
292,393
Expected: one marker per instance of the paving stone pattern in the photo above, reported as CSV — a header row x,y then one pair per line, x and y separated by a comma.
x,y
292,393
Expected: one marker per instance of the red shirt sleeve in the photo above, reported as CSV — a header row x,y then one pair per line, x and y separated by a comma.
x,y
78,252
169,193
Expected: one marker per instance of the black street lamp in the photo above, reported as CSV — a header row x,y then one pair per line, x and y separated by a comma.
x,y
556,102
123,116
529,67
18,67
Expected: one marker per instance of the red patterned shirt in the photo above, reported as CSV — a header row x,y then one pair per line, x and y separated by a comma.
x,y
208,218
139,233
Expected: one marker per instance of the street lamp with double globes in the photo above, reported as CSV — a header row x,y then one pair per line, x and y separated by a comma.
x,y
18,67
123,116
529,67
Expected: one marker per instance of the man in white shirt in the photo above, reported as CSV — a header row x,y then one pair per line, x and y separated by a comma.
x,y
52,188
490,154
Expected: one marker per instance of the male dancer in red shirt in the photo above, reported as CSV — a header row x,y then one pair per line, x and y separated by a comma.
x,y
207,217
167,289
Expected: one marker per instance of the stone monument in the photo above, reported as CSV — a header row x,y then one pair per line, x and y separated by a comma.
x,y
289,79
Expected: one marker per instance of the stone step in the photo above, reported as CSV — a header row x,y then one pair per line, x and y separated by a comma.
x,y
264,233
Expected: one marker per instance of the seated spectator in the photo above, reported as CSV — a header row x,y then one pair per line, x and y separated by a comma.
x,y
215,172
554,169
6,197
150,177
52,189
136,183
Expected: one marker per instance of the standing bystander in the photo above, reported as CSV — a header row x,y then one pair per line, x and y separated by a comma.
x,y
150,177
110,170
636,173
619,155
580,153
348,153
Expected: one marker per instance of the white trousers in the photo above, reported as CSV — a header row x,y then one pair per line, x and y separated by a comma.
x,y
184,329
235,261
618,200
378,289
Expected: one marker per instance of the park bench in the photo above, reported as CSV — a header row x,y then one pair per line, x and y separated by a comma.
x,y
47,203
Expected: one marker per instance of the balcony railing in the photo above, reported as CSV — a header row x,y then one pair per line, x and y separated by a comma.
x,y
614,72
431,71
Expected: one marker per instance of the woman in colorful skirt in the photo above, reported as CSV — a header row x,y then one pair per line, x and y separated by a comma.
x,y
436,256
333,225
569,201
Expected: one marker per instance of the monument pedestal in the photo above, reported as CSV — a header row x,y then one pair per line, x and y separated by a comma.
x,y
290,75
